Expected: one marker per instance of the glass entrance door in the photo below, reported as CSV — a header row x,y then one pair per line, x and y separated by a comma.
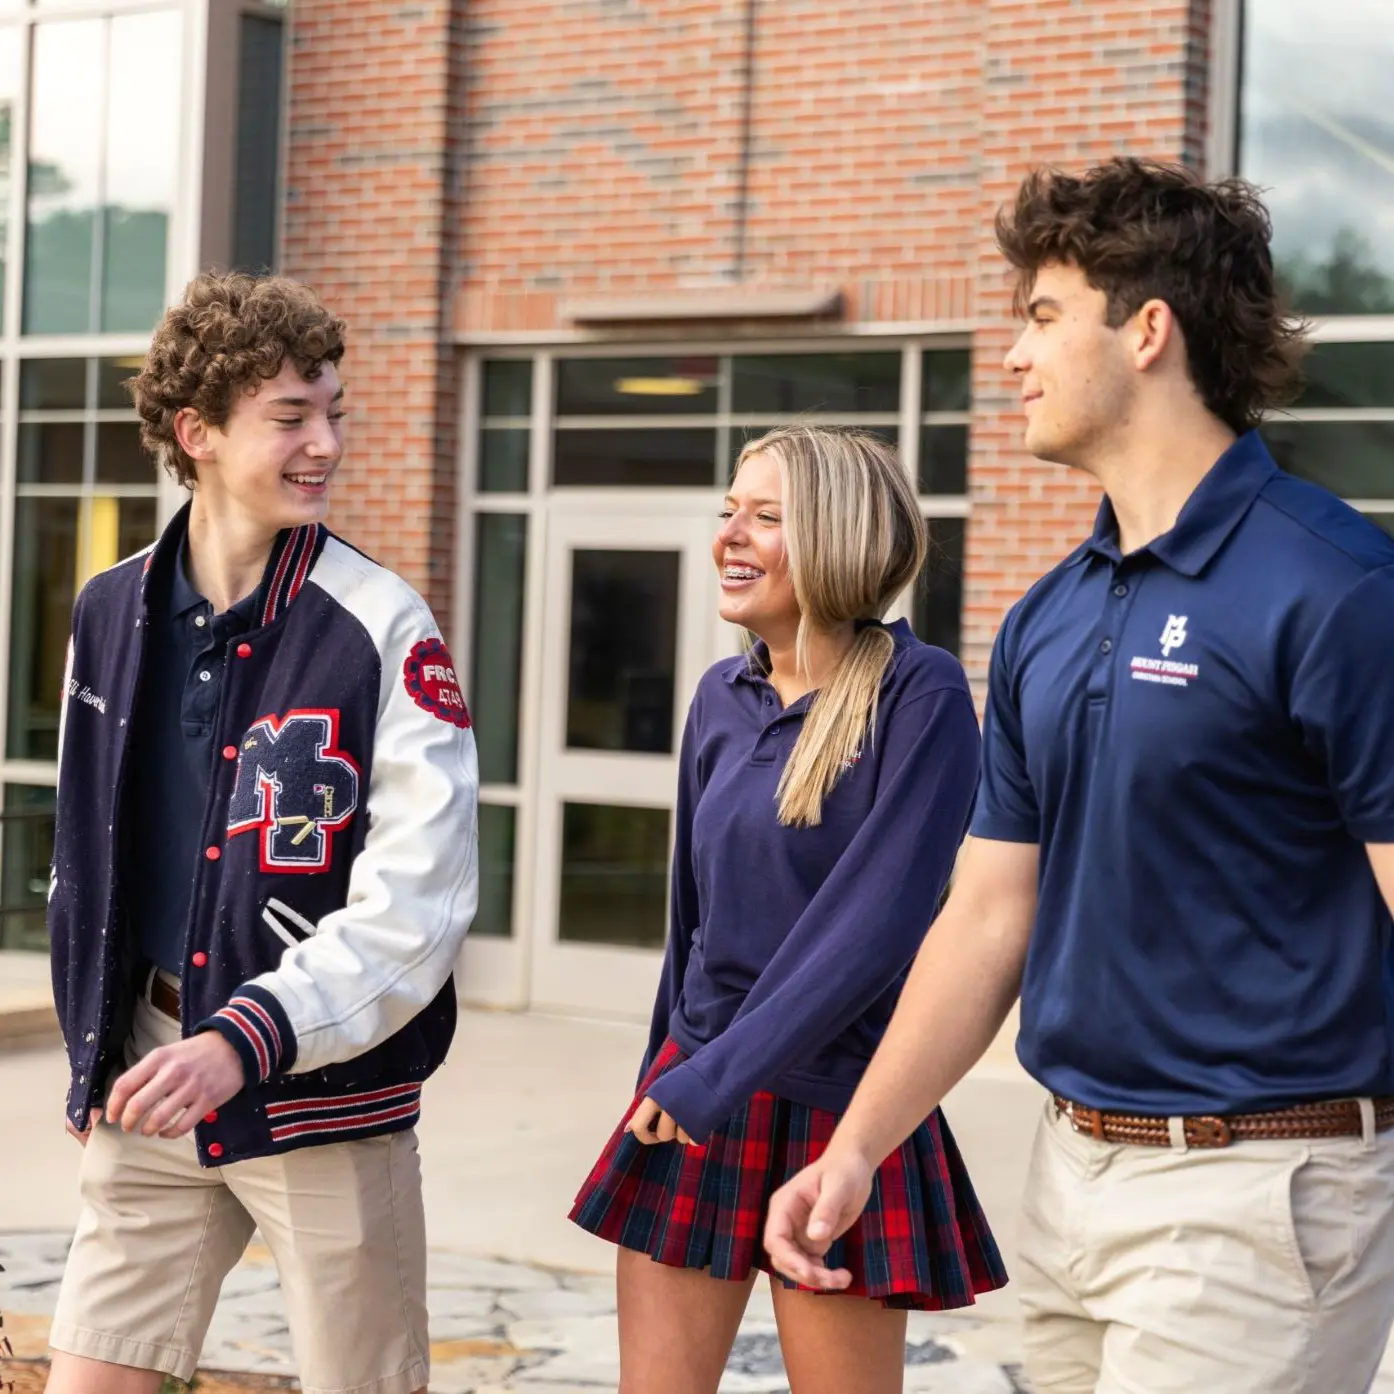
x,y
629,625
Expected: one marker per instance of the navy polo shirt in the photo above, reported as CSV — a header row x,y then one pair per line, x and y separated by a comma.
x,y
172,755
788,946
1200,738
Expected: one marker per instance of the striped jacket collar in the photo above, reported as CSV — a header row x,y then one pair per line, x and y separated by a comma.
x,y
293,555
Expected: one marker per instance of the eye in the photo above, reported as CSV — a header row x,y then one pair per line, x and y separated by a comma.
x,y
337,415
288,421
725,513
768,517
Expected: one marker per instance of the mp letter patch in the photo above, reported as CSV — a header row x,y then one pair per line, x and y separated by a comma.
x,y
429,674
296,788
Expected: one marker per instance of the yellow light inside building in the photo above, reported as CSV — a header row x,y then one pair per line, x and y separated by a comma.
x,y
660,387
98,537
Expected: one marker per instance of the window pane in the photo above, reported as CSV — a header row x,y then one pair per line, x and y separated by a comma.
x,y
120,457
500,557
1349,375
943,459
135,526
142,160
946,383
112,375
1352,458
258,143
497,832
614,875
10,39
1316,134
50,454
938,606
53,384
622,667
45,577
824,382
26,852
741,436
642,458
1385,520
503,461
508,387
636,386
64,174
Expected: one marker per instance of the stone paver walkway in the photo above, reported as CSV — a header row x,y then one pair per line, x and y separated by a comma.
x,y
497,1328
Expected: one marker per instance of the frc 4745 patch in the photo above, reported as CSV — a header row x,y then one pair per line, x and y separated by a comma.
x,y
429,674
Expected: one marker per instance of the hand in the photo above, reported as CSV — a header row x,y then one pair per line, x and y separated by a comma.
x,y
175,1085
813,1210
650,1124
86,1132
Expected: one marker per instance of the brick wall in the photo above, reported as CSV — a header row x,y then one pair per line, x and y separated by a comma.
x,y
586,146
375,93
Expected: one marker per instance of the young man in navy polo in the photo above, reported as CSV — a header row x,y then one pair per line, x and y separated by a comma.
x,y
264,866
1183,849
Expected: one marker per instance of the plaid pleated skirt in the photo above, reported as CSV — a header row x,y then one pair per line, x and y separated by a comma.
x,y
922,1243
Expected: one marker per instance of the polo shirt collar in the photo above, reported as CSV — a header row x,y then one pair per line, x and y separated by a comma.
x,y
1213,511
183,596
759,657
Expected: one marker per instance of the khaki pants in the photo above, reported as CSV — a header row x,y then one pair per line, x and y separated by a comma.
x,y
158,1234
1260,1268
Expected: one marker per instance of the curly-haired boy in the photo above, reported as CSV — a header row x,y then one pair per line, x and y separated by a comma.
x,y
264,867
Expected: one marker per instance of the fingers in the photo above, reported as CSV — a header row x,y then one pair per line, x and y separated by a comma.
x,y
134,1079
667,1128
793,1251
684,1138
642,1121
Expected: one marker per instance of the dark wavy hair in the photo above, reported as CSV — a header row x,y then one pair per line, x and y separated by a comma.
x,y
1141,231
230,332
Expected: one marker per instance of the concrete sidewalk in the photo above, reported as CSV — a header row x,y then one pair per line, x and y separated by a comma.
x,y
521,1301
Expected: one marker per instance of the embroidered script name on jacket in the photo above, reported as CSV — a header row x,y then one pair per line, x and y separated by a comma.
x,y
338,872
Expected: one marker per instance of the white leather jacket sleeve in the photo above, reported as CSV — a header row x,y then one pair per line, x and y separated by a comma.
x,y
413,889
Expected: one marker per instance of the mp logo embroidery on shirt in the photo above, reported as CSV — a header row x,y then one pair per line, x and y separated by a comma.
x,y
296,788
1166,670
1174,635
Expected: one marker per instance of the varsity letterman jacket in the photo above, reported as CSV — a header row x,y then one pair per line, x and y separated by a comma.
x,y
339,871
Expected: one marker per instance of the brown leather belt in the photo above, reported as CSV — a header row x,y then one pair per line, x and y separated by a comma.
x,y
162,996
1336,1118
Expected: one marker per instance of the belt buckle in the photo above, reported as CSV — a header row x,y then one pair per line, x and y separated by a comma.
x,y
1208,1130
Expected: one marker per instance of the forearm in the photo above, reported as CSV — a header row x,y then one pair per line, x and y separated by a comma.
x,y
957,996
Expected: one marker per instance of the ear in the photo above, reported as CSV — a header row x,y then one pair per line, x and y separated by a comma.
x,y
192,433
1152,331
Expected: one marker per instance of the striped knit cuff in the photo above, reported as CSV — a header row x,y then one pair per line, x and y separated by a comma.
x,y
256,1026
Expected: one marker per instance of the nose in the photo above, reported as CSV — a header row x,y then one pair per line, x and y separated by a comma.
x,y
731,532
1017,359
326,440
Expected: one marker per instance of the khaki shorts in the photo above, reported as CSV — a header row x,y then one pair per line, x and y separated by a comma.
x,y
1266,1267
158,1234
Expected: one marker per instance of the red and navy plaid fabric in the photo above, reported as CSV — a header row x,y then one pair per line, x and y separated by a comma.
x,y
922,1243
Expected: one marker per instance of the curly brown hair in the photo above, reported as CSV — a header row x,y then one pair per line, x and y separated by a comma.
x,y
229,334
1139,231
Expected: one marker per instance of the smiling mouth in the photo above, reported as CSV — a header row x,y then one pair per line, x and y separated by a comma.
x,y
307,481
736,575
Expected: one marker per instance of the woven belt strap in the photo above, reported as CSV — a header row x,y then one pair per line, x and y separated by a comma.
x,y
1336,1118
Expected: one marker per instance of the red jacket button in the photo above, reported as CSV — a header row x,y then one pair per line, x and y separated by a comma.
x,y
211,1118
199,959
229,752
215,1149
244,650
213,853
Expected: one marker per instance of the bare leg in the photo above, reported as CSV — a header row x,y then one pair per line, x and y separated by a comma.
x,y
834,1343
76,1374
677,1326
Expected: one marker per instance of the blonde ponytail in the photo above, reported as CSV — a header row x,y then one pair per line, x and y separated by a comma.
x,y
840,722
854,539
